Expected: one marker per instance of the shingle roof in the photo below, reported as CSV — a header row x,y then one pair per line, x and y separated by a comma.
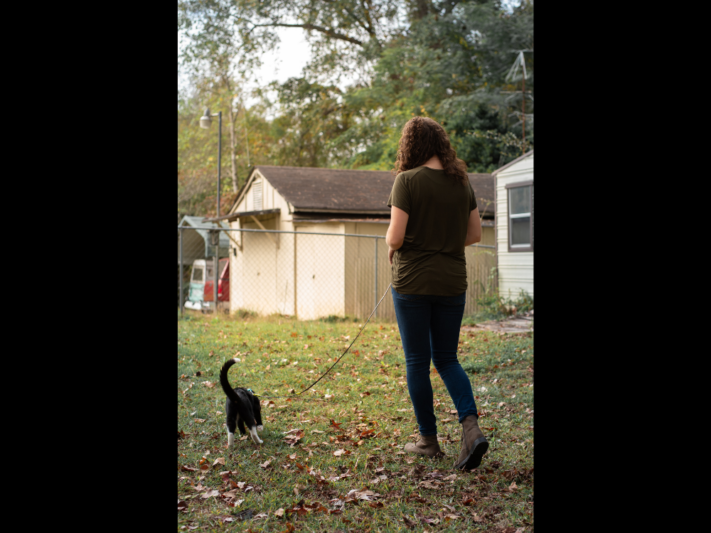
x,y
350,191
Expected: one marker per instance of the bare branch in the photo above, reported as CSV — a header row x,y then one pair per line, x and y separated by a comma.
x,y
308,26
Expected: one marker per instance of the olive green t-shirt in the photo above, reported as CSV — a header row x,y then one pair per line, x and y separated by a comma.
x,y
431,259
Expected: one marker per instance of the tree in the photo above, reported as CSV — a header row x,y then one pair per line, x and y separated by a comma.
x,y
447,59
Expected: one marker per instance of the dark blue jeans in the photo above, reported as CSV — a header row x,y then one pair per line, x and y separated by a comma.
x,y
429,328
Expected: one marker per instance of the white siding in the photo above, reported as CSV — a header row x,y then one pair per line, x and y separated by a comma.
x,y
262,275
515,268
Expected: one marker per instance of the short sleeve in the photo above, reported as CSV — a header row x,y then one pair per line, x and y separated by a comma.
x,y
472,198
400,194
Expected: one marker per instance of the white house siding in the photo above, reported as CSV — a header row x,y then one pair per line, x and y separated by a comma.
x,y
515,268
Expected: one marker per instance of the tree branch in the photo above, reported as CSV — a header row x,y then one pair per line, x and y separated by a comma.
x,y
367,27
308,26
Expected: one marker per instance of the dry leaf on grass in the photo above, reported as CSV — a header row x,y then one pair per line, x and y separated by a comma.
x,y
279,513
265,464
219,461
210,494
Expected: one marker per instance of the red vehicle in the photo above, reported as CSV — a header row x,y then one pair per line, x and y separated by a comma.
x,y
223,283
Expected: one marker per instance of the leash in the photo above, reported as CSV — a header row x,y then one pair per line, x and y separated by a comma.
x,y
341,357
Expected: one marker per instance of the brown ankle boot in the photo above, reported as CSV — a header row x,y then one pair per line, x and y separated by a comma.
x,y
474,444
427,445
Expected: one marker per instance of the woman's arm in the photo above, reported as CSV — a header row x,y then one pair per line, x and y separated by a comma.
x,y
473,228
396,231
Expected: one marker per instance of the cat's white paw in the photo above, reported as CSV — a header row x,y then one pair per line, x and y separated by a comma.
x,y
230,438
255,437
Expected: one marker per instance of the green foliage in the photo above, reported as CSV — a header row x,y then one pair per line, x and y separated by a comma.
x,y
450,60
493,306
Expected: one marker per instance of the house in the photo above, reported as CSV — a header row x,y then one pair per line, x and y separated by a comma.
x,y
514,226
325,273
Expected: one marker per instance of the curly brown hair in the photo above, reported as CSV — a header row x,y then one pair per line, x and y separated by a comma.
x,y
422,138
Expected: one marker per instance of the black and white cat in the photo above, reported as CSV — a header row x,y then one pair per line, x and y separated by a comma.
x,y
242,407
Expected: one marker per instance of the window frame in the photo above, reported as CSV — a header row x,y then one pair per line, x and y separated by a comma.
x,y
519,247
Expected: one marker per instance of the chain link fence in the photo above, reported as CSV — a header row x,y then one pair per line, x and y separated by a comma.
x,y
304,274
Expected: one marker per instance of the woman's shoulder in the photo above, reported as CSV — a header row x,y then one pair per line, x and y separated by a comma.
x,y
409,174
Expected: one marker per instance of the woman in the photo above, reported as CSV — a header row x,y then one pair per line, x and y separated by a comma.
x,y
433,217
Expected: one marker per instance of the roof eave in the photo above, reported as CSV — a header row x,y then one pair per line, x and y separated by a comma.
x,y
507,165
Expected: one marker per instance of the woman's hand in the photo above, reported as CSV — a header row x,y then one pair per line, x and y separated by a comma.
x,y
390,255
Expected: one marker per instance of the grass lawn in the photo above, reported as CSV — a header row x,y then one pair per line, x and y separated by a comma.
x,y
333,459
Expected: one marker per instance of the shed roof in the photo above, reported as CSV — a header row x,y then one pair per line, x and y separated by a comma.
x,y
329,190
201,227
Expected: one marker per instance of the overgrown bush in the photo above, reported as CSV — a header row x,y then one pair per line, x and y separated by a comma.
x,y
495,307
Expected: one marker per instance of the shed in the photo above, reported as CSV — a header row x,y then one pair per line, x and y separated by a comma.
x,y
313,276
514,226
196,240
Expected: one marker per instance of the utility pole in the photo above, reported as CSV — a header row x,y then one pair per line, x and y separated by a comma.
x,y
511,76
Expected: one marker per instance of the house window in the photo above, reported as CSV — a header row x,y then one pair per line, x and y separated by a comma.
x,y
520,198
257,192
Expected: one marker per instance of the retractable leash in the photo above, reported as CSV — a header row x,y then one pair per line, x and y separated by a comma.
x,y
344,353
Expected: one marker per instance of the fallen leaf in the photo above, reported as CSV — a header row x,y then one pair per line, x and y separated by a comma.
x,y
266,463
513,486
260,516
409,523
450,478
316,431
338,453
219,461
188,468
279,513
293,334
199,420
208,384
182,505
210,494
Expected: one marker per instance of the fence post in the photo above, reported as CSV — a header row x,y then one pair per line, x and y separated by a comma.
x,y
215,241
180,272
375,302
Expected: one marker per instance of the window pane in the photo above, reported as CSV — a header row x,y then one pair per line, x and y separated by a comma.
x,y
520,200
520,230
197,275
